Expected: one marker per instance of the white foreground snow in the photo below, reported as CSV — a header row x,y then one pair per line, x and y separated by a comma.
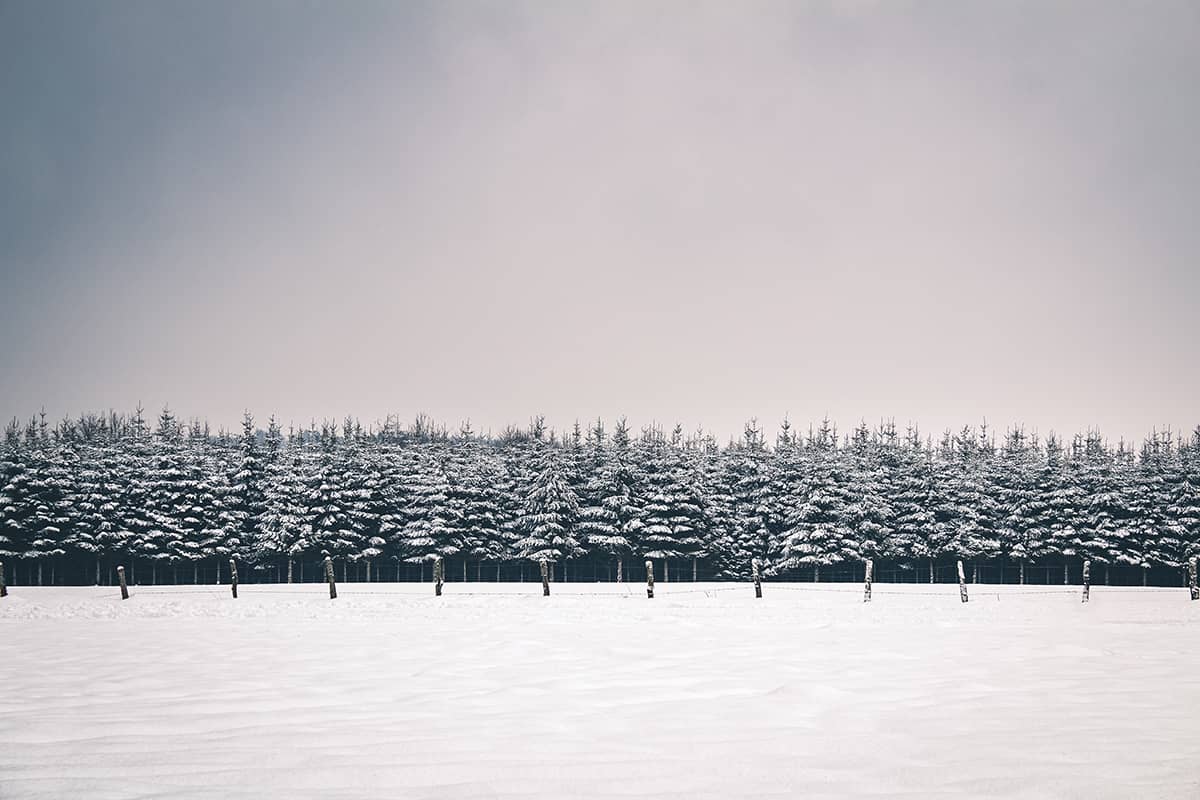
x,y
391,692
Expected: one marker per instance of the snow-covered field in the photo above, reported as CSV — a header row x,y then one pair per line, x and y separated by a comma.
x,y
703,692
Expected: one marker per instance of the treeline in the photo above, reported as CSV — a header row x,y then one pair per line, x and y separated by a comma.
x,y
172,499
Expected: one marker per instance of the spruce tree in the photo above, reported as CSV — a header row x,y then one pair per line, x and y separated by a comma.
x,y
549,516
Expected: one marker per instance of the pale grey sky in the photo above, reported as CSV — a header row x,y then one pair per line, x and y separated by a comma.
x,y
703,212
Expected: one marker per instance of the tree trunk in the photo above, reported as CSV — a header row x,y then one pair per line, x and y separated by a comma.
x,y
154,573
666,571
620,574
817,574
39,572
1106,574
464,569
1066,566
975,573
498,571
1145,575
344,571
931,570
97,572
1022,572
195,573
694,560
290,570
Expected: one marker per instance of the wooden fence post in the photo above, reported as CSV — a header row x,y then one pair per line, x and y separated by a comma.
x,y
649,578
1195,592
545,579
233,577
757,577
121,580
439,575
962,583
329,577
4,588
867,586
1087,579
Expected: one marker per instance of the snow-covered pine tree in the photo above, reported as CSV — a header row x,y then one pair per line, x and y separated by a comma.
x,y
1014,480
689,516
964,509
757,518
912,503
869,512
1164,479
367,502
608,517
32,510
817,532
549,517
431,522
1183,512
244,502
472,475
1100,526
286,528
167,503
199,514
337,529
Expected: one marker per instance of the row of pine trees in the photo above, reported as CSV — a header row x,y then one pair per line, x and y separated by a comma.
x,y
173,498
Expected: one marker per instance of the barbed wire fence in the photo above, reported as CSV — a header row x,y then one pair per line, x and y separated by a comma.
x,y
626,590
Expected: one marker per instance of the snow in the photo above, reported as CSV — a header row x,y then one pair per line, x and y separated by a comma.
x,y
493,691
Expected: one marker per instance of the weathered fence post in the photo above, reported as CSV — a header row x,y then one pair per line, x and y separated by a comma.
x,y
1195,592
649,578
329,577
439,575
1087,579
545,579
233,577
757,577
4,588
121,580
962,583
867,586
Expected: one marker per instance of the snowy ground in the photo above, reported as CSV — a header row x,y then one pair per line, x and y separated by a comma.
x,y
389,691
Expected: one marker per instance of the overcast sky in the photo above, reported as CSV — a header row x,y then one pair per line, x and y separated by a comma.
x,y
938,212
